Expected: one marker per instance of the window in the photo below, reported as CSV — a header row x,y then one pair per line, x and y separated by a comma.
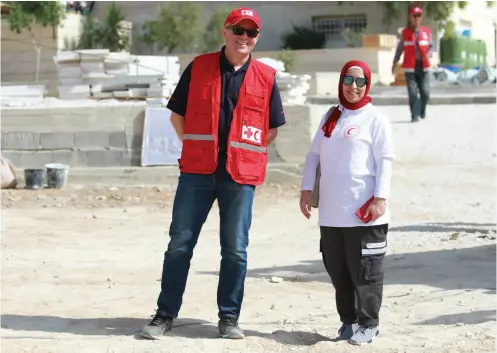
x,y
335,25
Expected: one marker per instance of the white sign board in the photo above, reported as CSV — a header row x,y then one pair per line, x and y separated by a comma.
x,y
161,145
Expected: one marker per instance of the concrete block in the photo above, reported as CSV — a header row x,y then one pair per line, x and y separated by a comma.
x,y
91,139
131,158
57,141
13,156
36,159
20,141
71,158
104,158
117,139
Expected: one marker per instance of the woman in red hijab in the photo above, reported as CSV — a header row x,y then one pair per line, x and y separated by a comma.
x,y
354,150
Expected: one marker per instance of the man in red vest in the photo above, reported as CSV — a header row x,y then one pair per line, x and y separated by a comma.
x,y
226,109
416,42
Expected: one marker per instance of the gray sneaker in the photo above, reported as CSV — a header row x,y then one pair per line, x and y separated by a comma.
x,y
364,335
159,326
228,328
347,331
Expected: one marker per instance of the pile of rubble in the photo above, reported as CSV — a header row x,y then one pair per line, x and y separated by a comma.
x,y
100,74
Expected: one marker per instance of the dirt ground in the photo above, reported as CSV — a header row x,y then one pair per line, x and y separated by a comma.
x,y
81,266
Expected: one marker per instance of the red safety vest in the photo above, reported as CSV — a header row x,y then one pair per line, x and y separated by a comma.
x,y
409,38
247,139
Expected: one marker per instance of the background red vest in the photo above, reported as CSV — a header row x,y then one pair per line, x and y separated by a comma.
x,y
409,38
247,139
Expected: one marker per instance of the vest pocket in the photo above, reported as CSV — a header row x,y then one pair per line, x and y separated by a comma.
x,y
254,98
198,156
251,165
198,123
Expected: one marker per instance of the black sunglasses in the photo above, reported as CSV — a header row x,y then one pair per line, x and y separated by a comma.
x,y
359,81
239,31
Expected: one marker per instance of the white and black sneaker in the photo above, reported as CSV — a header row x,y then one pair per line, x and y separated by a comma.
x,y
364,335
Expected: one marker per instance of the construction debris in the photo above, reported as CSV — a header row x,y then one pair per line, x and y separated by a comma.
x,y
101,74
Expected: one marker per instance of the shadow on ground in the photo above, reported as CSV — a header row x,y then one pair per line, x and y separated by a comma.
x,y
454,227
466,268
470,318
183,327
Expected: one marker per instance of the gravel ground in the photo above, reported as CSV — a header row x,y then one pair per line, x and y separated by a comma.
x,y
81,266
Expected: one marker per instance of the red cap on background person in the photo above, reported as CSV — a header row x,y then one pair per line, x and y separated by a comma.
x,y
243,13
416,10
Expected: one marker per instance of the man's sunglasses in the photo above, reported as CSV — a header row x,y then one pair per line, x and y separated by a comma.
x,y
239,31
359,81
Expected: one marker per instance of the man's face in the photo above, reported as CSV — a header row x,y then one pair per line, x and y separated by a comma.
x,y
416,19
238,39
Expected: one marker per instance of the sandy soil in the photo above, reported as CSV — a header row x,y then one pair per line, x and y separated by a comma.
x,y
81,266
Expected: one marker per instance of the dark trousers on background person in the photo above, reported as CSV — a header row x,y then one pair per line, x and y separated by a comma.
x,y
193,201
418,81
353,257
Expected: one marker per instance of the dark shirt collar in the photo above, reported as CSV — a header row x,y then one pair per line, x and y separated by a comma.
x,y
226,65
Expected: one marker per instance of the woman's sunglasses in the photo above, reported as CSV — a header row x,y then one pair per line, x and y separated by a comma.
x,y
359,81
239,31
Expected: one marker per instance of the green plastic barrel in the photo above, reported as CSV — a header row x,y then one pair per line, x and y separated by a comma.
x,y
482,52
454,50
470,54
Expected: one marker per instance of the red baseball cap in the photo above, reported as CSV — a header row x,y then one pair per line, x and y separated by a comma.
x,y
243,13
416,10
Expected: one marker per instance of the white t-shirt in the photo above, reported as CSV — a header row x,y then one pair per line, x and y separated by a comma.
x,y
356,163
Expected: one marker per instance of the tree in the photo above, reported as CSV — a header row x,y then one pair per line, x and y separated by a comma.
x,y
302,37
176,27
91,33
212,38
24,14
109,33
113,36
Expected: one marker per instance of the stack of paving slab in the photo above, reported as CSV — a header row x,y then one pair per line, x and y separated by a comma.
x,y
99,73
293,88
19,95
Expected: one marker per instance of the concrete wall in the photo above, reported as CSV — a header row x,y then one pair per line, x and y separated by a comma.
x,y
111,136
279,17
19,56
79,136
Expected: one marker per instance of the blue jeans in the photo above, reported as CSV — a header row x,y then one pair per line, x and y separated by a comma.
x,y
194,198
418,80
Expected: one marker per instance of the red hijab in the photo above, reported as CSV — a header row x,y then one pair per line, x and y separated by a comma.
x,y
330,124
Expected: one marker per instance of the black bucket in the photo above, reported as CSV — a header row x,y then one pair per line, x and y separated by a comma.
x,y
57,175
34,178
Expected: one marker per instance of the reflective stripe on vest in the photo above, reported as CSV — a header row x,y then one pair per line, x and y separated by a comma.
x,y
246,146
198,137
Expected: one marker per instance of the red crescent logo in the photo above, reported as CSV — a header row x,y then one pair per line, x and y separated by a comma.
x,y
352,131
257,136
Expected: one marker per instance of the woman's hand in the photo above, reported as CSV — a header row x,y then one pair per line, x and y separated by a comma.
x,y
376,208
305,203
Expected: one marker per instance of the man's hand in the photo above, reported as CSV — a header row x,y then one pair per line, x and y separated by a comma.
x,y
376,208
393,68
305,203
271,136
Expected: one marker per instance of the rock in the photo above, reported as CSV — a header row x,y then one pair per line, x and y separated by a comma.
x,y
94,217
272,307
102,198
113,188
460,324
276,280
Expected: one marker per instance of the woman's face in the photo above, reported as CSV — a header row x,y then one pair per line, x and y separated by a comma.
x,y
354,85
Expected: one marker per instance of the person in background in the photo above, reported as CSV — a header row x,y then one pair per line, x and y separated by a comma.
x,y
416,43
226,110
354,149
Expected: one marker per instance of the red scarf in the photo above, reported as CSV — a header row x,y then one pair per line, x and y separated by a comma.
x,y
331,123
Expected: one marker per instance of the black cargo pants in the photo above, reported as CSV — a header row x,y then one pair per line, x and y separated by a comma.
x,y
353,258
